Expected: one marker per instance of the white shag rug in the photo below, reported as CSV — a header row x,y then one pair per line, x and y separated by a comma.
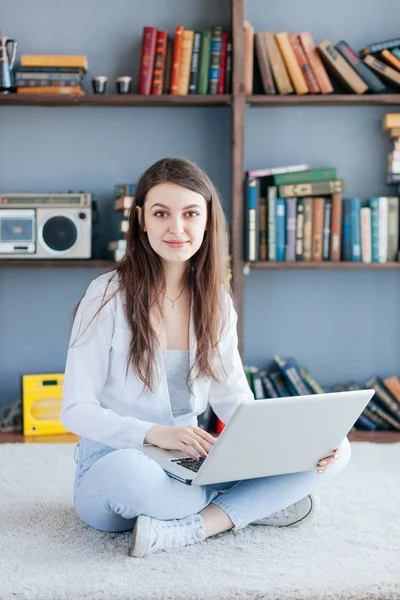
x,y
350,551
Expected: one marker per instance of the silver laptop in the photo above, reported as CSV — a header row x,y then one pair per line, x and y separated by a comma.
x,y
270,437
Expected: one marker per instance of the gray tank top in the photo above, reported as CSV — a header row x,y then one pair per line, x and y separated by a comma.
x,y
177,365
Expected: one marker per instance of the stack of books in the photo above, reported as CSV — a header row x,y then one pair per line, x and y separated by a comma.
x,y
51,74
193,62
391,125
286,378
297,213
292,63
123,199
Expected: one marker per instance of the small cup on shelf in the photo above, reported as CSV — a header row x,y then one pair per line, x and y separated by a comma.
x,y
99,84
123,84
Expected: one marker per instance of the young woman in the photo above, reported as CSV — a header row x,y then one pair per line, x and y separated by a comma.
x,y
152,342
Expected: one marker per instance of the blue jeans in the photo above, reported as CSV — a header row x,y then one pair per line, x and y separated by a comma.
x,y
113,487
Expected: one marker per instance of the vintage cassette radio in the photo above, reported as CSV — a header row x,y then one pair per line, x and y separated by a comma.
x,y
46,226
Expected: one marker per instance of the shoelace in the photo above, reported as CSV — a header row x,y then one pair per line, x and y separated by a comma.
x,y
170,534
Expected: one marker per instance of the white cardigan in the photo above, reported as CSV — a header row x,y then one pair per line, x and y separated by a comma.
x,y
103,405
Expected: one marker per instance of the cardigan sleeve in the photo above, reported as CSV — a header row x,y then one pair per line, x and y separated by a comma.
x,y
86,373
233,387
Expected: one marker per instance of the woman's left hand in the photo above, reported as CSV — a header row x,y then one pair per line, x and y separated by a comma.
x,y
327,461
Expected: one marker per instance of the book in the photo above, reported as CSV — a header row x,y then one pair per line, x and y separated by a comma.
x,y
168,67
373,204
228,74
316,63
355,230
185,62
336,228
393,385
299,225
365,215
39,76
71,90
393,228
317,229
194,65
277,171
346,244
252,228
387,73
292,66
277,63
316,188
264,64
341,68
307,228
215,59
263,229
383,229
271,216
66,82
222,65
248,57
384,398
326,237
176,60
149,40
379,46
290,245
159,63
390,59
54,60
391,121
372,81
311,382
311,80
280,229
291,372
306,176
204,62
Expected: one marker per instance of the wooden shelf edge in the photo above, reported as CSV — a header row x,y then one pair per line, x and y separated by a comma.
x,y
301,265
55,264
325,100
114,100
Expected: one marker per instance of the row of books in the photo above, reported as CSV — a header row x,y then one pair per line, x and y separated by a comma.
x,y
51,74
286,378
302,216
193,62
123,199
290,63
391,125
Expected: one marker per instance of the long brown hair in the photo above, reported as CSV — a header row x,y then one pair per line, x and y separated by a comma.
x,y
140,274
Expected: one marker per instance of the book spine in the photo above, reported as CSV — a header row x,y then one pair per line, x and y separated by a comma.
x,y
159,63
54,60
270,391
374,206
317,229
271,212
299,203
252,240
280,74
393,385
264,64
368,76
355,230
291,372
176,60
305,67
46,82
204,65
390,59
346,245
215,58
72,90
222,66
316,63
311,382
278,170
185,62
292,66
307,228
336,228
393,228
327,229
48,77
280,384
385,399
396,52
228,74
149,39
375,48
194,67
290,255
383,228
305,176
263,229
365,424
341,68
168,67
366,234
248,58
373,412
383,70
43,70
280,221
316,188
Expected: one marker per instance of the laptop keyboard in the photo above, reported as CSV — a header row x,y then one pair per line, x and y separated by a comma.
x,y
190,463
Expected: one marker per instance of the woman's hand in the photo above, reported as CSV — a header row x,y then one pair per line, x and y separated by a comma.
x,y
327,461
186,439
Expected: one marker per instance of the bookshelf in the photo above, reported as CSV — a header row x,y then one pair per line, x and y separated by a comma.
x,y
237,104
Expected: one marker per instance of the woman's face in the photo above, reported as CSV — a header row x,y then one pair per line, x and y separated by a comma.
x,y
175,220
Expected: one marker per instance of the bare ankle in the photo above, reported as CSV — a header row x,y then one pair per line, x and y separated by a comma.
x,y
215,520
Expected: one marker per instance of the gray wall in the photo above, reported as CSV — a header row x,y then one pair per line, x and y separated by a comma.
x,y
341,325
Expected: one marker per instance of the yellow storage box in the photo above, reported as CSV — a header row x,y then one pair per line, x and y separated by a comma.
x,y
41,404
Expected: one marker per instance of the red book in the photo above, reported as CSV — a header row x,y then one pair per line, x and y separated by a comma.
x,y
222,64
220,426
176,60
147,59
159,63
305,66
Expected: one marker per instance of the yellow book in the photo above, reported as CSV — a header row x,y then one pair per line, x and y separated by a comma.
x,y
186,60
293,67
55,60
72,90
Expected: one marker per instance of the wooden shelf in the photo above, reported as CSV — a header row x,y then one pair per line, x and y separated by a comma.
x,y
322,265
113,100
379,437
325,100
55,264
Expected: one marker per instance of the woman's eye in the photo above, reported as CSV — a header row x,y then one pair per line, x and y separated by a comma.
x,y
192,213
160,213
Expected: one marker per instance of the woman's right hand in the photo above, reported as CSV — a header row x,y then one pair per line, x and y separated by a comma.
x,y
186,439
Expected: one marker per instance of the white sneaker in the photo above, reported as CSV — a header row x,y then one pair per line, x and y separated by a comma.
x,y
151,535
304,510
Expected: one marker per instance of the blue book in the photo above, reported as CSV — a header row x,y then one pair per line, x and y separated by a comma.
x,y
374,206
280,229
252,219
355,229
364,423
346,251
